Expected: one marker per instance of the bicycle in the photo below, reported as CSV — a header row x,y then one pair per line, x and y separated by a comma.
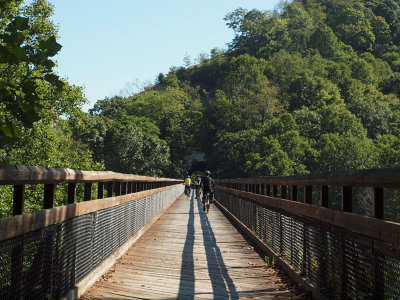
x,y
187,191
198,193
207,199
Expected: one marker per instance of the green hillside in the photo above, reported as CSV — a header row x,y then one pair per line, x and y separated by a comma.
x,y
312,87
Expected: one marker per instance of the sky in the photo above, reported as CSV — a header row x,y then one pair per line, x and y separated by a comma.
x,y
116,47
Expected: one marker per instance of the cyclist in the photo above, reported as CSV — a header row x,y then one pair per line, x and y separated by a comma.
x,y
197,185
187,183
207,184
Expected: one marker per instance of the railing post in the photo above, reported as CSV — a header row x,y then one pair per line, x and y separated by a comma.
x,y
275,191
49,194
347,199
17,253
268,190
88,192
308,194
124,188
377,203
262,189
378,258
294,192
100,190
18,199
71,193
283,191
257,188
347,206
110,188
117,189
324,196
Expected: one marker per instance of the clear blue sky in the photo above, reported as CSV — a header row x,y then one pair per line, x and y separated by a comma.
x,y
108,45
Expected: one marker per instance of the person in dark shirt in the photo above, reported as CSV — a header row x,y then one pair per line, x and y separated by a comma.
x,y
207,184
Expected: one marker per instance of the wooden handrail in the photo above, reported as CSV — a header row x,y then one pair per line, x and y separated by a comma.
x,y
25,223
367,226
17,175
385,178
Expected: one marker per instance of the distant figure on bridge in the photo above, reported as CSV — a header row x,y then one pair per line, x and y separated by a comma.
x,y
187,183
197,186
207,184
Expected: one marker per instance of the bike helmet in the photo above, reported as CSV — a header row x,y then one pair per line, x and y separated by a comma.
x,y
207,172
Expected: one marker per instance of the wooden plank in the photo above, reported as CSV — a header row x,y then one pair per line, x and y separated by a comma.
x,y
188,254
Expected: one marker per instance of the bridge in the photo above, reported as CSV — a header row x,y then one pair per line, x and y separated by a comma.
x,y
121,236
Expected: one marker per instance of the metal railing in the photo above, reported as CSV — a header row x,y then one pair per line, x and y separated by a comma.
x,y
45,254
337,251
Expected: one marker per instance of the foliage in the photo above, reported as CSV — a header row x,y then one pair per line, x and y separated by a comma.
x,y
129,148
30,89
312,86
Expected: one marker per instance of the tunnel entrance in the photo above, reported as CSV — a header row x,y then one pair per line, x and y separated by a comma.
x,y
198,166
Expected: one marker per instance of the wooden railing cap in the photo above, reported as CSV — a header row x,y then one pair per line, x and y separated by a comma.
x,y
13,174
388,178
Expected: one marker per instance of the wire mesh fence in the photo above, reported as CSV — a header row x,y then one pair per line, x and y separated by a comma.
x,y
47,263
340,263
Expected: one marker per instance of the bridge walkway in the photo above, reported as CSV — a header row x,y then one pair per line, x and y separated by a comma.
x,y
187,254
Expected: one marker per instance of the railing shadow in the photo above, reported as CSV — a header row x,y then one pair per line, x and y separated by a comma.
x,y
187,279
222,283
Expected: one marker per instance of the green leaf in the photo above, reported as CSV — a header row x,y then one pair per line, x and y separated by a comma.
x,y
19,53
51,78
50,47
49,64
21,23
29,87
6,131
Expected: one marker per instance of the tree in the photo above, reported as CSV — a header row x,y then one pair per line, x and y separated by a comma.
x,y
354,29
228,156
257,33
28,83
389,151
300,26
337,119
272,161
339,152
391,84
325,41
128,148
110,107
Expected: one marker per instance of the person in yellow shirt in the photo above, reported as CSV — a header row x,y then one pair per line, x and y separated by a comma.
x,y
187,183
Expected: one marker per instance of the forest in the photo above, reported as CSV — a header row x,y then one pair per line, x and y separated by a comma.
x,y
312,86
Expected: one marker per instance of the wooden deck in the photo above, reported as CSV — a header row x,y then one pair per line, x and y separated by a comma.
x,y
187,254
